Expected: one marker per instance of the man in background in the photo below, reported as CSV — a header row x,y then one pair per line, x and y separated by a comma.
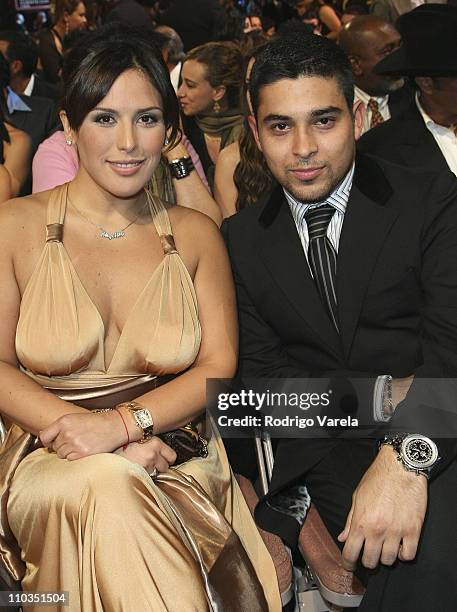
x,y
424,134
366,40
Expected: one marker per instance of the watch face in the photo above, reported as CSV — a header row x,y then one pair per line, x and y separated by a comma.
x,y
419,452
143,417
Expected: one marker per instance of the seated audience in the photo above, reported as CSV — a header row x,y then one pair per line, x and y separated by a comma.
x,y
69,15
366,40
321,16
209,98
173,53
21,53
14,159
128,12
31,114
425,133
197,22
104,380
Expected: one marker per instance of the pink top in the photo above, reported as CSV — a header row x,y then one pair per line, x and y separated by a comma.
x,y
56,163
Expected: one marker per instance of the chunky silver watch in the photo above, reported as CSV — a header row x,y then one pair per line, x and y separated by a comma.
x,y
416,452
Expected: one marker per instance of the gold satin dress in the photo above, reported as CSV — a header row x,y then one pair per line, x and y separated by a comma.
x,y
100,527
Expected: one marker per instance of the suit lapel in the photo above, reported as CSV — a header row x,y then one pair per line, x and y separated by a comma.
x,y
367,223
282,253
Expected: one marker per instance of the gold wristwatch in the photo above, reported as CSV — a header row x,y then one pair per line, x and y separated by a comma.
x,y
143,419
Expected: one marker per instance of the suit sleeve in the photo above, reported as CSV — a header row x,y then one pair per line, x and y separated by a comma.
x,y
430,407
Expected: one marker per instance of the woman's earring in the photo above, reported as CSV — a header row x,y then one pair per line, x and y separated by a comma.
x,y
216,107
166,142
69,141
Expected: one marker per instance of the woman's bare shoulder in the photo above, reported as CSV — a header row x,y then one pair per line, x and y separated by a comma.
x,y
193,229
230,155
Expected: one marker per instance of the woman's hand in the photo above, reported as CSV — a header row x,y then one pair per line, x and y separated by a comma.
x,y
152,455
74,436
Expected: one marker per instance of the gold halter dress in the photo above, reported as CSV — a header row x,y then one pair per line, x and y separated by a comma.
x,y
100,527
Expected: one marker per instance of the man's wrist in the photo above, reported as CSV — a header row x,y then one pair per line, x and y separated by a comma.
x,y
382,399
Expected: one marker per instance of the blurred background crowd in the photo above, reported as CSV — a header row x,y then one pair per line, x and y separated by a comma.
x,y
207,46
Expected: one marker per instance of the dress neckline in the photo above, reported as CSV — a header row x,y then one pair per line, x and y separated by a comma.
x,y
57,207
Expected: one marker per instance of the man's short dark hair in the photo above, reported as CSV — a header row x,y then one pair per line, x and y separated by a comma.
x,y
21,47
294,55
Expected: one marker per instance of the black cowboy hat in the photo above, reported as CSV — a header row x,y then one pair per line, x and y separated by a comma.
x,y
429,43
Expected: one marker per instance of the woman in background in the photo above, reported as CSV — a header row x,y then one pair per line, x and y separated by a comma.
x,y
69,16
209,98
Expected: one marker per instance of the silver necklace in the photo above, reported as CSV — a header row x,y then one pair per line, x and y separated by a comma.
x,y
120,233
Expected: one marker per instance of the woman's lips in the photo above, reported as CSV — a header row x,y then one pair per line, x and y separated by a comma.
x,y
126,168
307,174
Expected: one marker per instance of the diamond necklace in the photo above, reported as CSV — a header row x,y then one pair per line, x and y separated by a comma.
x,y
120,233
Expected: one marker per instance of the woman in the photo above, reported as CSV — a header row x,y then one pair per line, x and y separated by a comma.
x,y
209,98
321,16
69,16
98,511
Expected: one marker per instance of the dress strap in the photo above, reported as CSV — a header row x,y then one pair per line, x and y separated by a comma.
x,y
55,215
161,221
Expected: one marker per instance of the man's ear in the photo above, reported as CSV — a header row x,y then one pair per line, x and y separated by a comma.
x,y
425,84
15,67
70,135
358,111
355,65
253,125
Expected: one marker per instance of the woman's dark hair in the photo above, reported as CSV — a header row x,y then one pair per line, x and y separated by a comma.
x,y
223,63
291,56
65,6
100,57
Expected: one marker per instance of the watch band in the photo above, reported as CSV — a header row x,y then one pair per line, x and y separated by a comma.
x,y
181,167
143,419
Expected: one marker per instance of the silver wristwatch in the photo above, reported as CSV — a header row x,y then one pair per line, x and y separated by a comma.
x,y
416,452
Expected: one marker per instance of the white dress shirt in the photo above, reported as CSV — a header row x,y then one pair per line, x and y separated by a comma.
x,y
338,199
28,90
383,106
445,138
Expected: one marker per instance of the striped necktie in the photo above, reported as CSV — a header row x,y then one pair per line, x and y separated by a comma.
x,y
322,257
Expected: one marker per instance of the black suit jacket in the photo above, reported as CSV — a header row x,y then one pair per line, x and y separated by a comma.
x,y
404,140
43,89
396,289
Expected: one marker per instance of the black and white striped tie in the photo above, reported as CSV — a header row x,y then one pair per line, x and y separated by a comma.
x,y
322,257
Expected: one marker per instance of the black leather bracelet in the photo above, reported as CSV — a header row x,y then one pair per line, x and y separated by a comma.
x,y
182,167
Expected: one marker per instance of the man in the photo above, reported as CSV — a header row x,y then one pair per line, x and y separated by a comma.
x,y
196,22
393,9
128,12
348,268
173,53
366,40
21,53
424,134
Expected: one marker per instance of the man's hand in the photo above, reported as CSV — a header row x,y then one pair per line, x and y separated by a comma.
x,y
387,513
74,436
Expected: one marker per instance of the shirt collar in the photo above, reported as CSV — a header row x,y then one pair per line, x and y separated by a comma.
x,y
30,85
365,98
15,102
338,199
430,124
